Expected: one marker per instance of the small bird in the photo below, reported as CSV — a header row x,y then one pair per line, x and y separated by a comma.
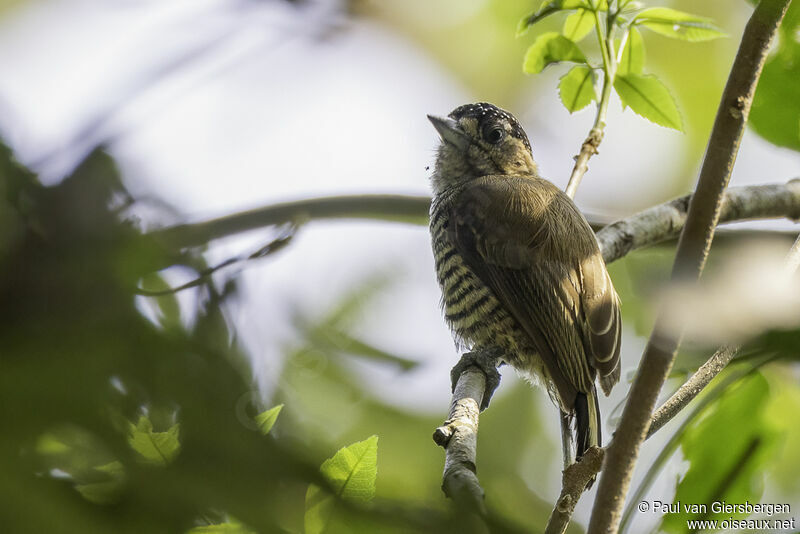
x,y
522,277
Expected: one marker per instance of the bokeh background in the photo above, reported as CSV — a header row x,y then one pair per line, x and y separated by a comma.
x,y
208,107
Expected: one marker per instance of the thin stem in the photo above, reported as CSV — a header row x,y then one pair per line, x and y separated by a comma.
x,y
595,137
598,29
622,42
397,208
691,388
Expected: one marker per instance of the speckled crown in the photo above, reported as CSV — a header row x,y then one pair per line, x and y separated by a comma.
x,y
484,112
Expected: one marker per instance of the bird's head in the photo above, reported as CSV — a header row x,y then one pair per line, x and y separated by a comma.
x,y
478,140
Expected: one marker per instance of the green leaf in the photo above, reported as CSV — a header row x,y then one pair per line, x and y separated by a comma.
x,y
775,114
159,448
678,25
550,48
351,473
632,60
266,419
576,88
578,25
353,469
726,451
648,98
547,8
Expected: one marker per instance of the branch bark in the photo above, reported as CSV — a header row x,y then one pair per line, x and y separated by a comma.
x,y
666,221
573,484
693,246
459,437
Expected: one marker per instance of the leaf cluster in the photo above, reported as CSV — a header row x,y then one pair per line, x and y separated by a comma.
x,y
618,26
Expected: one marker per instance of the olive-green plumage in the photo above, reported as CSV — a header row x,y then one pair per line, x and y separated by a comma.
x,y
519,267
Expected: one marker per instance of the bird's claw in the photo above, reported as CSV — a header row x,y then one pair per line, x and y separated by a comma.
x,y
485,360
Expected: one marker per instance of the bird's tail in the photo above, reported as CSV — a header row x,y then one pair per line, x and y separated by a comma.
x,y
587,423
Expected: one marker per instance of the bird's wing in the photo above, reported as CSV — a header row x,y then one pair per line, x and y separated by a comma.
x,y
504,229
603,327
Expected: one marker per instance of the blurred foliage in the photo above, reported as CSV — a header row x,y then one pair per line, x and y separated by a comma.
x,y
117,422
727,451
775,115
118,419
93,392
637,278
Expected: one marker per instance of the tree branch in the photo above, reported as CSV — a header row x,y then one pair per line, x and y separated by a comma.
x,y
692,387
666,221
656,224
573,484
396,208
459,437
693,246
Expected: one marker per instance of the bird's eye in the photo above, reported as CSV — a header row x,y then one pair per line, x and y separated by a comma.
x,y
494,135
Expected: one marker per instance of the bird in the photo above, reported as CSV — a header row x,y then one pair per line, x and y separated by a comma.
x,y
522,277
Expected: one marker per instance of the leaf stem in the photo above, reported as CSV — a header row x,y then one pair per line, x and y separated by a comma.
x,y
595,137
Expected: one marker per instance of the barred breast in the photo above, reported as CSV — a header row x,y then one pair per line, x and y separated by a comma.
x,y
475,316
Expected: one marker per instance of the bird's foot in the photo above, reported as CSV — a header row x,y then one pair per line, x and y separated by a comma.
x,y
487,360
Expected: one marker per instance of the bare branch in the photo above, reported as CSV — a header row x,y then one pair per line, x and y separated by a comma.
x,y
397,208
573,484
693,246
459,437
588,149
666,221
691,388
646,228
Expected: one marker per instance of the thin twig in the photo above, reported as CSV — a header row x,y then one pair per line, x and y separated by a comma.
x,y
691,254
204,275
573,484
692,387
397,208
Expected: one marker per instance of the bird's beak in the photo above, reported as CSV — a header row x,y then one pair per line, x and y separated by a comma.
x,y
450,131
